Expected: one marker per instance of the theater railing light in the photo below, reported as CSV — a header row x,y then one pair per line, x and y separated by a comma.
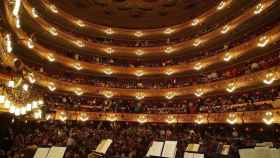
x,y
109,50
51,86
168,31
269,78
168,50
108,71
268,118
78,91
80,23
170,95
232,118
138,34
109,31
34,13
199,92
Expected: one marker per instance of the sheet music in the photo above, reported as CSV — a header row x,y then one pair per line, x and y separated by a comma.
x,y
103,146
225,149
56,152
169,149
188,155
155,149
198,155
41,153
193,147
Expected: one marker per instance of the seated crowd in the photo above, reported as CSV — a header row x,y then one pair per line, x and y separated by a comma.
x,y
242,101
132,140
252,65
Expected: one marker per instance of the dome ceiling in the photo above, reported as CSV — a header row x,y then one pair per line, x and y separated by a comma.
x,y
135,13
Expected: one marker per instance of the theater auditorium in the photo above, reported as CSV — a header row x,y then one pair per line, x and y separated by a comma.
x,y
139,78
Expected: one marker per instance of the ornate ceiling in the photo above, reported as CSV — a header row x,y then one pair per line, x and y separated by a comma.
x,y
135,13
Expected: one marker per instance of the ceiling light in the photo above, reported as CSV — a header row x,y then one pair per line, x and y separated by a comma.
x,y
30,44
140,96
139,73
263,41
37,114
168,31
269,78
170,95
197,66
231,87
109,31
78,66
108,94
12,109
198,92
53,31
34,105
79,92
53,8
259,8
138,34
51,58
40,102
109,50
168,50
51,86
80,43
225,29
196,42
80,23
139,52
28,107
195,22
34,13
108,71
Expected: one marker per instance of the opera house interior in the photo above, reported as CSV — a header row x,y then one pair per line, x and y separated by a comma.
x,y
140,78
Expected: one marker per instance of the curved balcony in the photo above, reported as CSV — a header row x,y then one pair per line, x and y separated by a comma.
x,y
261,41
131,32
147,51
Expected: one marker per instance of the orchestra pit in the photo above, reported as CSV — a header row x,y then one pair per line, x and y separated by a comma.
x,y
140,79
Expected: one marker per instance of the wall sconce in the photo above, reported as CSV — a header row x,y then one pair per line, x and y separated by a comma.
x,y
80,23
269,78
109,50
80,43
138,34
168,31
225,29
53,8
169,72
198,92
108,94
140,96
79,91
53,31
63,116
263,41
231,87
168,50
221,5
83,117
197,66
259,8
112,118
227,57
171,119
196,42
78,66
232,118
51,58
268,118
195,22
51,86
34,13
109,31
139,52
200,119
30,44
142,119
170,95
139,73
8,42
